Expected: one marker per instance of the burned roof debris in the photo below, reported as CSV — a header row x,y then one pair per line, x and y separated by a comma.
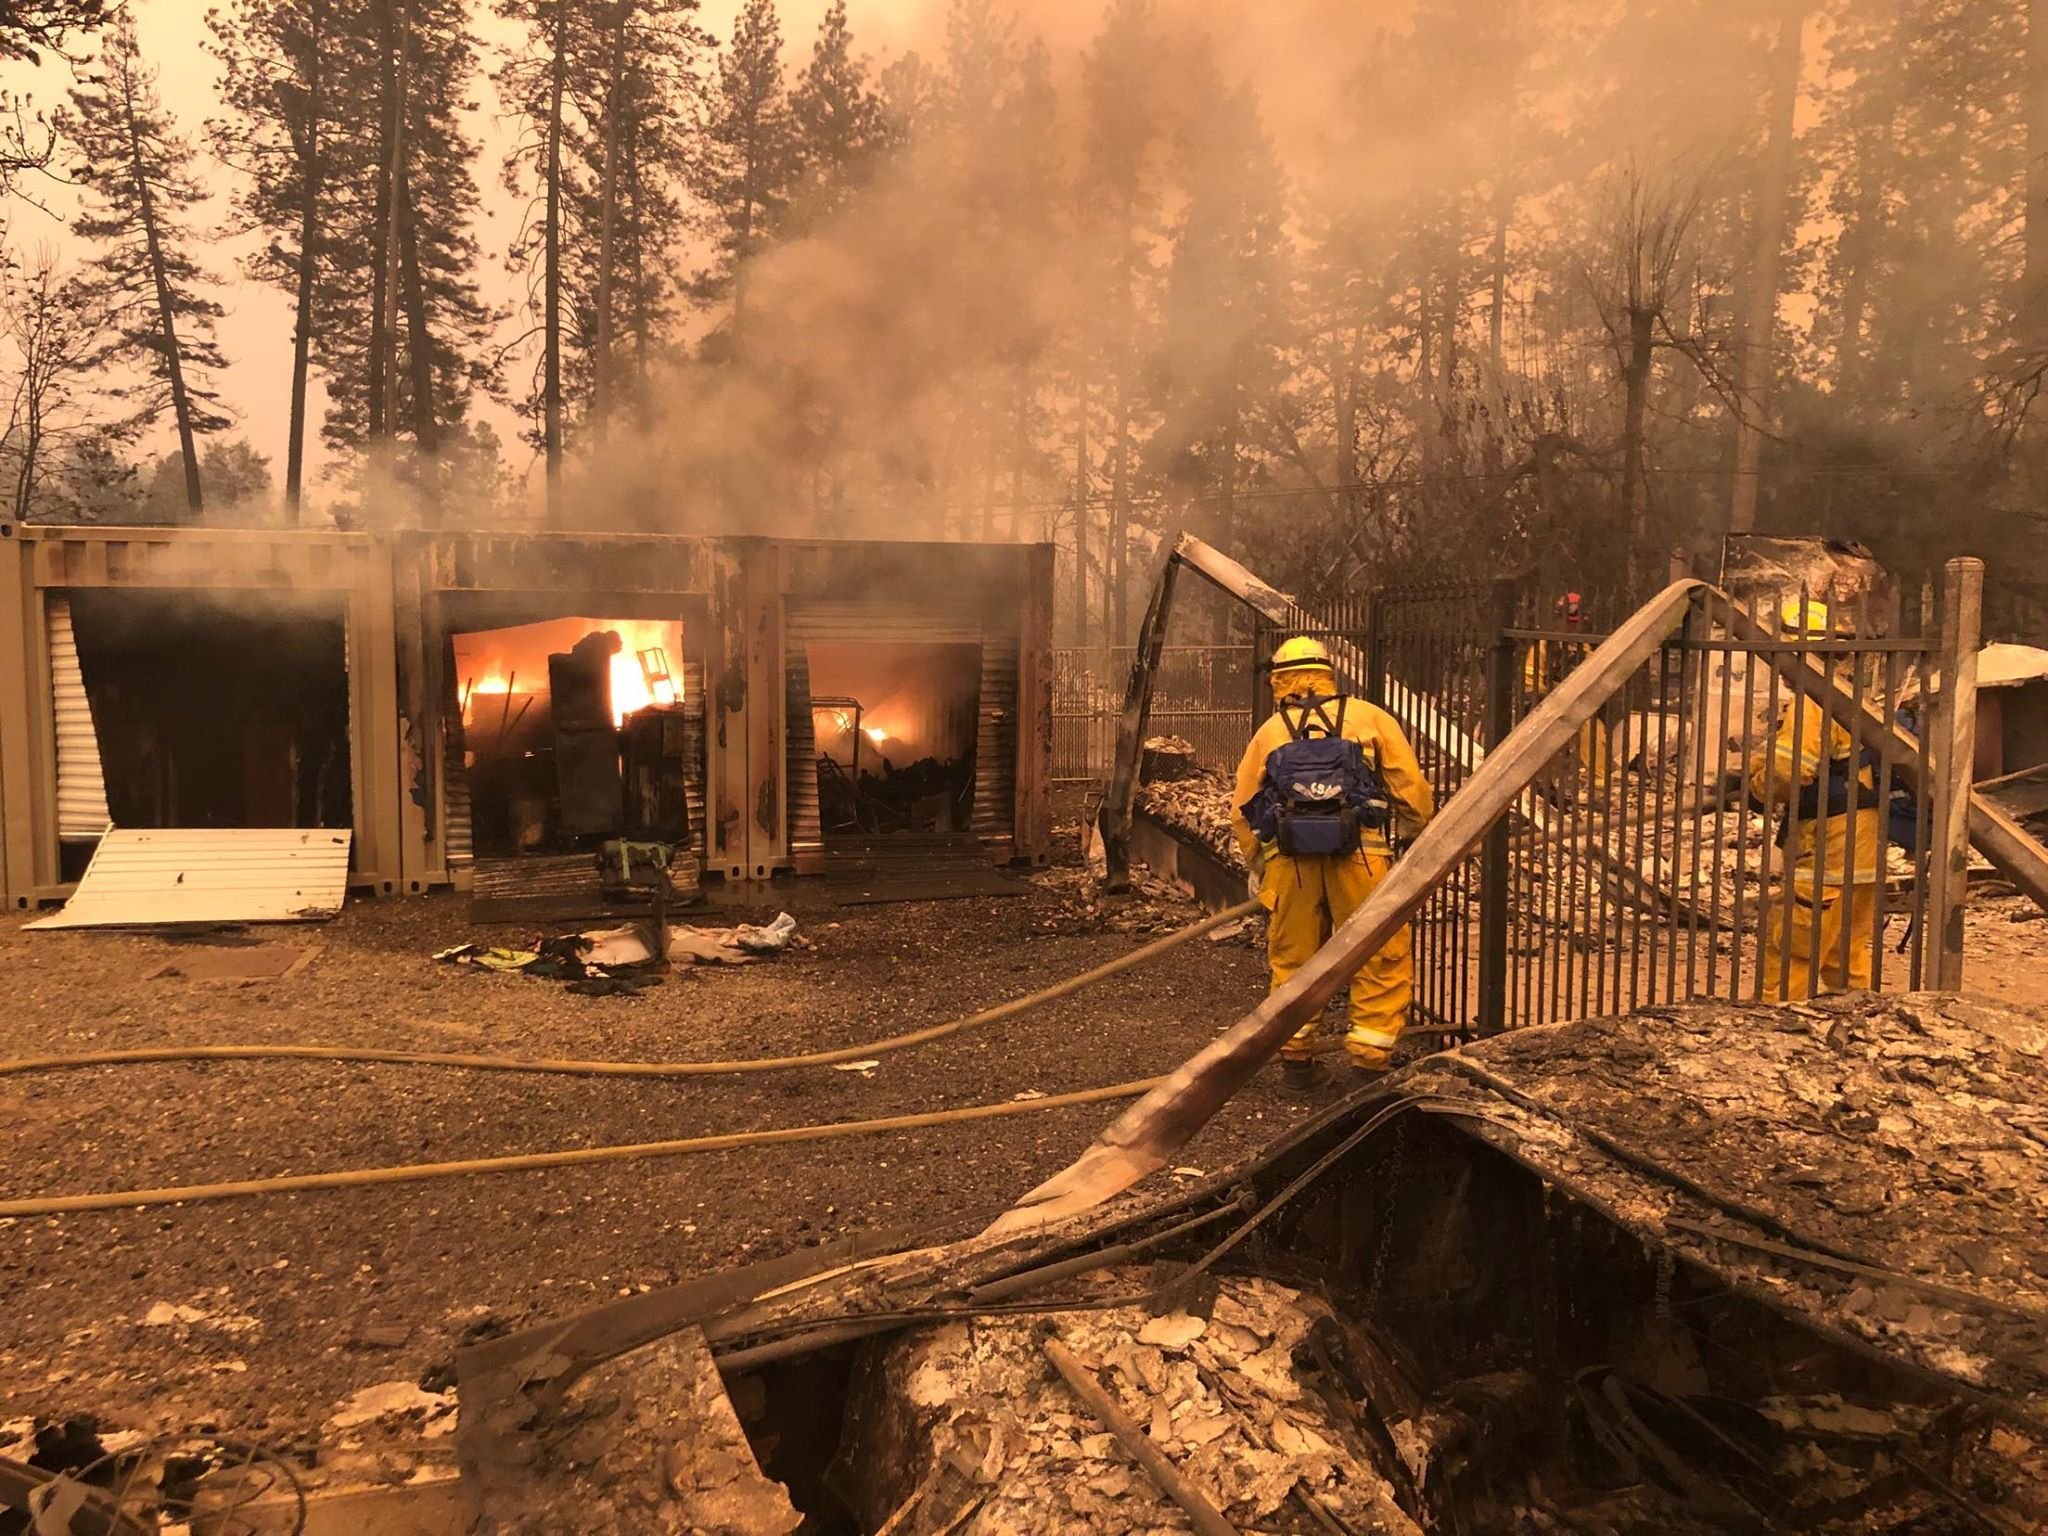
x,y
1708,1269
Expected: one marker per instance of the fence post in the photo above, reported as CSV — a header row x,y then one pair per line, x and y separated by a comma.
x,y
1493,857
1955,751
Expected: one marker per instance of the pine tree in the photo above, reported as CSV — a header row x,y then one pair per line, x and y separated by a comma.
x,y
137,174
409,340
1119,227
1225,310
536,83
278,80
837,120
609,94
749,157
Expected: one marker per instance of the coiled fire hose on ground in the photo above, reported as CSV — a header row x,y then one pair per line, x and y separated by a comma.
x,y
49,1205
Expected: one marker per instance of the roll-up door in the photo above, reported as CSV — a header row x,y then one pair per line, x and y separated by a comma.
x,y
81,785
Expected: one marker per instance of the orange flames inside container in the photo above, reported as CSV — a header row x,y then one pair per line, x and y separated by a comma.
x,y
492,663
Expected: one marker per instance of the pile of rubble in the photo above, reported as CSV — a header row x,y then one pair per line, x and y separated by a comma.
x,y
977,1433
1197,806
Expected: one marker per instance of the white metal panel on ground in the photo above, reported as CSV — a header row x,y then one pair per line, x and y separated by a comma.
x,y
159,878
81,786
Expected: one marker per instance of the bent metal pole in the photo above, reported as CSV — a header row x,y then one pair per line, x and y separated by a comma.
x,y
1145,1136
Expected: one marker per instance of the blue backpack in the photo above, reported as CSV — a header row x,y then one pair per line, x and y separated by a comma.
x,y
1320,788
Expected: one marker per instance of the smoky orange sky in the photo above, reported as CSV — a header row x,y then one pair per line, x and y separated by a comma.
x,y
1307,44
256,335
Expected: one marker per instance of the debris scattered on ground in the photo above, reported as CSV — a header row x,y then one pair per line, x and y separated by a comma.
x,y
614,961
632,945
397,1399
1151,906
167,1314
645,1445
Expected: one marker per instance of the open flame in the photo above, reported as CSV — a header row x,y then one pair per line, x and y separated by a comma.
x,y
491,664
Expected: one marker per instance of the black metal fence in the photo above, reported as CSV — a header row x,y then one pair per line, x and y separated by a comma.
x,y
1713,832
1202,694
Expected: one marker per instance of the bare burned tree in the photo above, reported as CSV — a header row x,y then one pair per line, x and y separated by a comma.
x,y
1638,279
54,332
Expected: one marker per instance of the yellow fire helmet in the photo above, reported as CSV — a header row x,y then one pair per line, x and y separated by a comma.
x,y
1300,654
1805,616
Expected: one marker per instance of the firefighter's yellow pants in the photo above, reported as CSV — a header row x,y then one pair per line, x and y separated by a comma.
x,y
1308,898
1812,926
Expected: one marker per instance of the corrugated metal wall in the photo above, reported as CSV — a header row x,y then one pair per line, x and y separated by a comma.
x,y
82,814
995,739
806,822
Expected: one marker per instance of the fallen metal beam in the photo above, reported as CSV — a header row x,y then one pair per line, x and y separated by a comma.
x,y
1141,1140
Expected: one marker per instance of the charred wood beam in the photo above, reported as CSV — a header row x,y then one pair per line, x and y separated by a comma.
x,y
1141,1140
1115,821
1207,1518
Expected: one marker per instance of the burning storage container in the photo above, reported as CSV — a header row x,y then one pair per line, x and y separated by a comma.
x,y
476,704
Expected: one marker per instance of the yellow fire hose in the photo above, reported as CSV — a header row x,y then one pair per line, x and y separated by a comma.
x,y
51,1205
575,1068
524,1162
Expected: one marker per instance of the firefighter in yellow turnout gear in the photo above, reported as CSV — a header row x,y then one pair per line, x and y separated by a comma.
x,y
1832,861
1309,894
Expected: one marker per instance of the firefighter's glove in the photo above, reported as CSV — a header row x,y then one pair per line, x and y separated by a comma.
x,y
1255,871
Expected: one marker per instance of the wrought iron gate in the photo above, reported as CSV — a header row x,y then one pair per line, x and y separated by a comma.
x,y
1645,864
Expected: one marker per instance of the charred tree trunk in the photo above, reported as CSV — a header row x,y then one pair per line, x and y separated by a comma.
x,y
1119,507
310,173
1081,512
643,312
1861,244
166,308
419,344
2034,292
383,281
1760,322
1635,377
1496,313
608,222
551,277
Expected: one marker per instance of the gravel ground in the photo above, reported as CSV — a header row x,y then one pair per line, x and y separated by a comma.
x,y
278,1291
270,1312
